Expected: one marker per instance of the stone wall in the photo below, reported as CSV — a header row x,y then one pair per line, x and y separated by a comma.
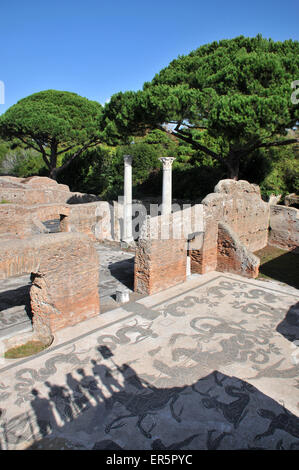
x,y
33,190
233,256
239,205
284,227
95,219
65,278
161,256
19,221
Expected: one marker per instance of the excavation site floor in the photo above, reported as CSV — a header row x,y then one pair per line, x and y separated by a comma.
x,y
212,363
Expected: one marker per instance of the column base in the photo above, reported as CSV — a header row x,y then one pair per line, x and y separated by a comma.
x,y
128,243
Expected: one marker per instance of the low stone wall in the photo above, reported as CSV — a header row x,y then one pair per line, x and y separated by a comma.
x,y
159,264
94,219
239,205
33,190
65,278
284,227
161,254
40,190
233,256
19,221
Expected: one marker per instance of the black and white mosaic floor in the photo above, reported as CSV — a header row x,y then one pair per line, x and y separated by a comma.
x,y
209,364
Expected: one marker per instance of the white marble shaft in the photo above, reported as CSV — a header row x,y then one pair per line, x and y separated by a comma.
x,y
127,235
167,184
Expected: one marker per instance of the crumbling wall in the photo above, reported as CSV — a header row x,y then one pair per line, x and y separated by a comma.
x,y
33,190
19,221
284,227
65,277
95,219
161,252
233,256
239,205
160,258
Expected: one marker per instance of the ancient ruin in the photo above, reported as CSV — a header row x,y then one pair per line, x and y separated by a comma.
x,y
67,242
220,234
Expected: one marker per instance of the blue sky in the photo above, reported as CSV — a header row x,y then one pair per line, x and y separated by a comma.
x,y
96,48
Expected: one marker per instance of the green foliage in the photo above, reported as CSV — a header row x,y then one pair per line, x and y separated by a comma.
x,y
238,91
101,170
29,163
85,173
21,162
53,123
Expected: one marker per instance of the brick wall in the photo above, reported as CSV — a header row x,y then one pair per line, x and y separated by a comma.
x,y
160,258
65,278
239,205
33,190
19,221
284,224
95,219
233,256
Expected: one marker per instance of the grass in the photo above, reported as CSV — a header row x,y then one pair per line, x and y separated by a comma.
x,y
28,349
279,265
4,201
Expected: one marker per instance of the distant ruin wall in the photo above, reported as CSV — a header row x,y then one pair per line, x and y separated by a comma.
x,y
284,227
39,190
94,219
19,221
33,190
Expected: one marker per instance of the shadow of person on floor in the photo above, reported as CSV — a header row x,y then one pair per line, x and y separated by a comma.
x,y
289,327
43,409
215,411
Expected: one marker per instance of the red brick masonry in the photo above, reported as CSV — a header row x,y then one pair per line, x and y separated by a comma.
x,y
64,269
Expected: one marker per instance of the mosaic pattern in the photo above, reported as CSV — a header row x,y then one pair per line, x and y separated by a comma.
x,y
207,365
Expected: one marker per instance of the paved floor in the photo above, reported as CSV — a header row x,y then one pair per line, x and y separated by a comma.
x,y
212,363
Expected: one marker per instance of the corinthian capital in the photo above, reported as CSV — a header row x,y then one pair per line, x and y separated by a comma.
x,y
128,160
167,162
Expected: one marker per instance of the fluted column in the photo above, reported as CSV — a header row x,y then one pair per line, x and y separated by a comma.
x,y
167,184
127,237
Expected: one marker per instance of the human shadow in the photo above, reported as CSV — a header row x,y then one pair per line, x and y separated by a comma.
x,y
284,268
123,271
104,405
289,327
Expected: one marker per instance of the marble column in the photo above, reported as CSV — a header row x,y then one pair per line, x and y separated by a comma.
x,y
167,184
127,232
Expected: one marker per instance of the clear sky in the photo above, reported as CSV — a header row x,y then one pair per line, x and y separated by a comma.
x,y
96,48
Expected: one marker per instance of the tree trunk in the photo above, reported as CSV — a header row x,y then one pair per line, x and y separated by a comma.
x,y
53,173
233,165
